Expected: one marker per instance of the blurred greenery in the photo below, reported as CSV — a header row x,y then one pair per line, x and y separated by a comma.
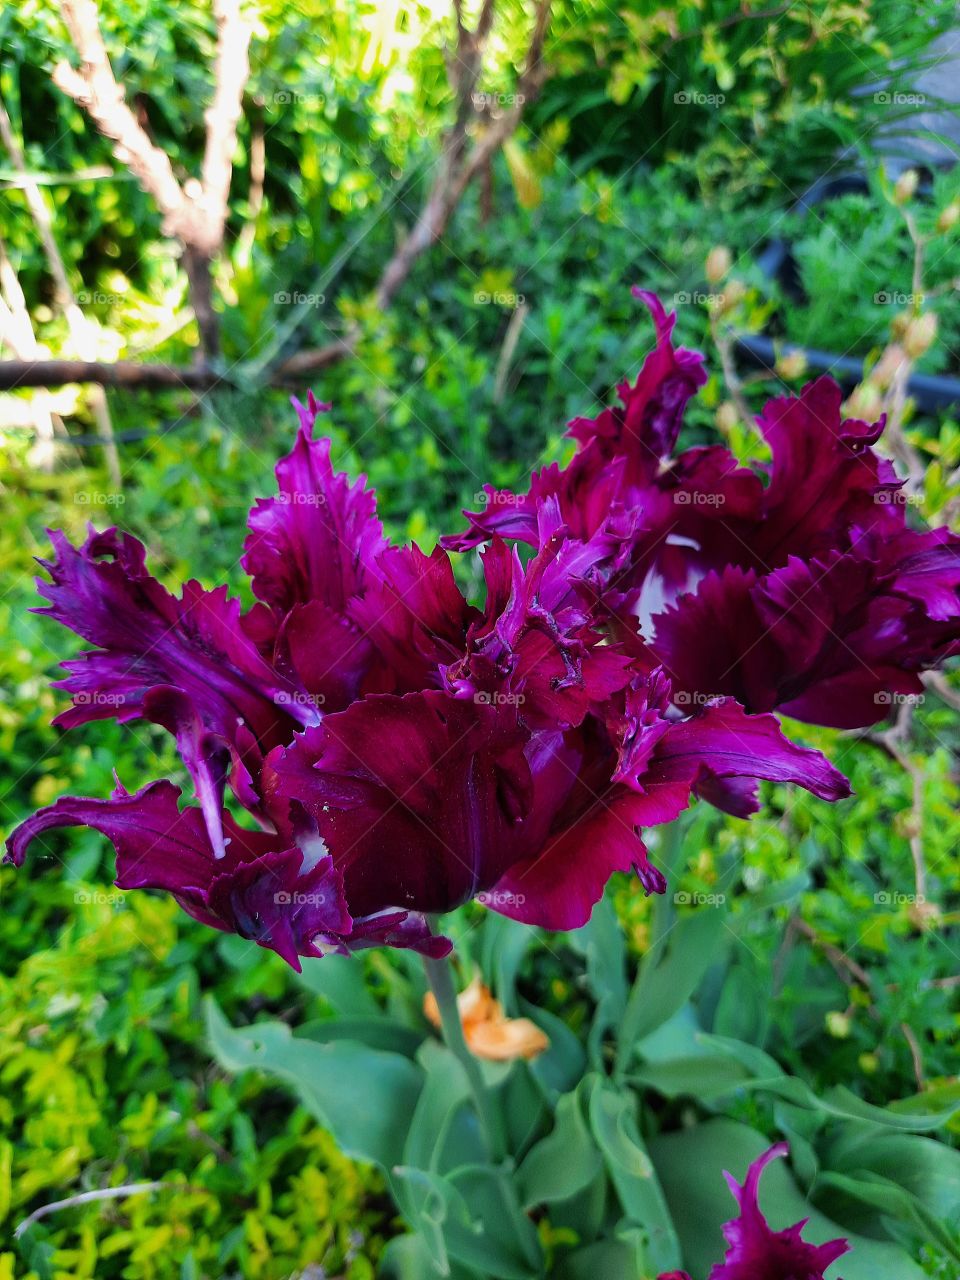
x,y
610,182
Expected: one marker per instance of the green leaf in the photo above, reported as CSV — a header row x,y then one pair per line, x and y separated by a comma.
x,y
614,1123
363,1096
503,944
564,1162
669,975
600,941
607,1260
445,1089
563,1064
705,1078
380,1032
439,1211
340,979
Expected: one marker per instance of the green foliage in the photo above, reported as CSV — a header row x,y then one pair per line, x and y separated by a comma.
x,y
777,992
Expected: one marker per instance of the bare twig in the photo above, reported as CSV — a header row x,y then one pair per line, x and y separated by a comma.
x,y
936,681
15,374
510,340
893,741
460,165
82,333
85,1197
196,212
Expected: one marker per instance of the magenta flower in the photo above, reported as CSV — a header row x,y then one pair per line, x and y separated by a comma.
x,y
754,1252
391,750
819,598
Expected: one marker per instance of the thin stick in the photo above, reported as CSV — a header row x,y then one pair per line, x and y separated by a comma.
x,y
85,1197
82,334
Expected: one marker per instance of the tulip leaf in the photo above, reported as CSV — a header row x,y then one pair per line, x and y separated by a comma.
x,y
503,944
705,1078
669,974
380,1032
601,942
563,1163
614,1124
340,979
365,1097
606,1260
439,1211
445,1090
562,1065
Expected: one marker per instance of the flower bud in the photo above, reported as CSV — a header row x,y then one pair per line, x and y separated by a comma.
x,y
727,416
734,292
838,1024
792,364
905,186
949,216
864,402
885,370
718,263
920,334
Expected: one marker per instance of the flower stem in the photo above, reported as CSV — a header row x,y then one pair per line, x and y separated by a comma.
x,y
440,978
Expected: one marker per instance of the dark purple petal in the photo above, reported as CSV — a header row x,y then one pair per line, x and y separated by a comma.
x,y
317,539
420,799
187,664
558,886
414,616
647,426
755,1252
825,641
538,647
286,898
725,742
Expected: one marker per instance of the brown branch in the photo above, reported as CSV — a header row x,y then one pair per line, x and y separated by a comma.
x,y
95,89
196,212
231,70
893,741
458,166
82,334
15,374
119,373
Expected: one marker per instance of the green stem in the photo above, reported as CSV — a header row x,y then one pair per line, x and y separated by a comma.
x,y
440,978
